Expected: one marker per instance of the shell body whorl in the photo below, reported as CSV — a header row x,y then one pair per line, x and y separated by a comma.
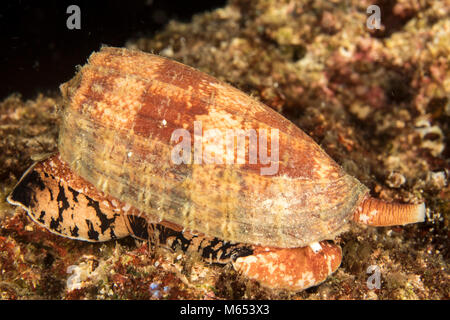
x,y
120,112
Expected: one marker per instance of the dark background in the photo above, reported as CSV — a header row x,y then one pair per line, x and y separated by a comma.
x,y
38,52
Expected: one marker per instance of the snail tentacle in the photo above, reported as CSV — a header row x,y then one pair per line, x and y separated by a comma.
x,y
375,212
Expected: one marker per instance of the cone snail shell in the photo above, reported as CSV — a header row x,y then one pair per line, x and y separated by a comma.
x,y
126,114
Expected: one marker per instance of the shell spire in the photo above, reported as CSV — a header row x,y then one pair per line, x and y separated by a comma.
x,y
375,212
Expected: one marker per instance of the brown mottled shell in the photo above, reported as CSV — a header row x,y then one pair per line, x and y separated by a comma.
x,y
119,115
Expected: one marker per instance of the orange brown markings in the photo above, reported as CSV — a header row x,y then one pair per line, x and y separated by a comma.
x,y
126,61
296,157
183,76
196,98
170,225
293,269
255,167
169,73
112,57
152,67
59,169
109,97
67,205
300,156
86,93
273,120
